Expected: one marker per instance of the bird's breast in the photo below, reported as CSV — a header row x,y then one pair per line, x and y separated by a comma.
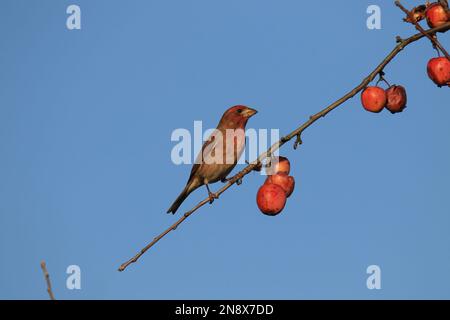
x,y
226,147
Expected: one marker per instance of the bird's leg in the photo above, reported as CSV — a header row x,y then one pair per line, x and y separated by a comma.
x,y
211,195
225,180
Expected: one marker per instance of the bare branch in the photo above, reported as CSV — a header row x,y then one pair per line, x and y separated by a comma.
x,y
47,280
402,43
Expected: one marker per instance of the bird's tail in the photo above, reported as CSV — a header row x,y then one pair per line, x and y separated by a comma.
x,y
183,195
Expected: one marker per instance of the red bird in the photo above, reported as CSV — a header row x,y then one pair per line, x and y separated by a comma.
x,y
219,154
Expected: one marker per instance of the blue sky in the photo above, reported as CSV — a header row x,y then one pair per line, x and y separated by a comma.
x,y
86,176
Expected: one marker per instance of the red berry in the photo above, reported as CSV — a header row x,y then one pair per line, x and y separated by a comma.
x,y
373,99
436,15
279,164
396,99
271,199
439,71
283,180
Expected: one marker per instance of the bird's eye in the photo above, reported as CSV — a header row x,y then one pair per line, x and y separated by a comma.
x,y
239,111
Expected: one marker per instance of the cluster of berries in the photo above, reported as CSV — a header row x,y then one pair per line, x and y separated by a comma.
x,y
279,185
375,98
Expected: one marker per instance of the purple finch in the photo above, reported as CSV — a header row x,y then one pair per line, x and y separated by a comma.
x,y
219,154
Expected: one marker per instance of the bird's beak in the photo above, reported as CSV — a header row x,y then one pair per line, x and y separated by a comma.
x,y
249,112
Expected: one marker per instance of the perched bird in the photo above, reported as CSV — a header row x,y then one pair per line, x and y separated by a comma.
x,y
219,153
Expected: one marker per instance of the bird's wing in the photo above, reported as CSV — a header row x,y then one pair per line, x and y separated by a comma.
x,y
210,143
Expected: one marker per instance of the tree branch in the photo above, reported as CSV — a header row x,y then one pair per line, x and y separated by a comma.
x,y
431,36
296,133
47,280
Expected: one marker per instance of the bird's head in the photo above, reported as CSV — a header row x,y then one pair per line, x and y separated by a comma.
x,y
236,117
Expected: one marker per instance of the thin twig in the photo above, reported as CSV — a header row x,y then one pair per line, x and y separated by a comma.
x,y
296,133
432,37
47,280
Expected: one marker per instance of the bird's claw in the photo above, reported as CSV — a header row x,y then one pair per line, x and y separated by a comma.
x,y
212,196
239,181
257,167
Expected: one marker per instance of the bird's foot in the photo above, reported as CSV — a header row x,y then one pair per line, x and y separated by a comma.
x,y
257,167
212,196
225,180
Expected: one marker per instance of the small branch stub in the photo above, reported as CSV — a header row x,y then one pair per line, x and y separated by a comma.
x,y
47,280
298,141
